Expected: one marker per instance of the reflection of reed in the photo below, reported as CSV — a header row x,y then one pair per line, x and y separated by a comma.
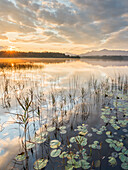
x,y
68,107
17,66
6,100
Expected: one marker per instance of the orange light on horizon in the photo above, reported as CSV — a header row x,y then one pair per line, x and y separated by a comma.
x,y
11,48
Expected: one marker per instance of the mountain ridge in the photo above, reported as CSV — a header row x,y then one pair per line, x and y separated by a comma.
x,y
105,52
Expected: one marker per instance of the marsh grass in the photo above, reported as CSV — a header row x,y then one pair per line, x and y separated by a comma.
x,y
20,66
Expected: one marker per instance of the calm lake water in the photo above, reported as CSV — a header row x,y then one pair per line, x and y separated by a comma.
x,y
54,87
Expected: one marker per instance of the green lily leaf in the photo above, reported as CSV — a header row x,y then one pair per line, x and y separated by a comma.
x,y
112,161
55,144
30,145
20,157
62,127
40,164
51,129
124,165
69,167
63,155
122,157
55,153
85,164
63,132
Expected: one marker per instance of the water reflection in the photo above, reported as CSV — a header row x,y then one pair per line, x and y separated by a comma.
x,y
61,78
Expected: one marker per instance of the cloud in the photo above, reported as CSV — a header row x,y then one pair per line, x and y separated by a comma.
x,y
3,37
61,14
77,22
11,12
13,27
118,40
3,47
46,37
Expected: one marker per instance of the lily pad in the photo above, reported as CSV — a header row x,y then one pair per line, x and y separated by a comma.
x,y
94,129
83,133
99,132
112,161
55,153
77,165
39,139
69,167
20,157
124,165
109,140
40,164
79,140
62,127
63,132
55,144
122,157
108,133
63,155
43,134
51,129
85,164
30,145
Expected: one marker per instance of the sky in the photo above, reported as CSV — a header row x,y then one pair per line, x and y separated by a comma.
x,y
67,26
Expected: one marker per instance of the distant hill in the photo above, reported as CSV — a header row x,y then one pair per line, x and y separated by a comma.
x,y
105,52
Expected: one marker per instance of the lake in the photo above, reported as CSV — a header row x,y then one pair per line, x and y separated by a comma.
x,y
63,114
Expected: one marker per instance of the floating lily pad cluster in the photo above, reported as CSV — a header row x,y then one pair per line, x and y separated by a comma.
x,y
123,156
74,151
117,145
74,159
117,114
96,145
79,140
100,131
82,129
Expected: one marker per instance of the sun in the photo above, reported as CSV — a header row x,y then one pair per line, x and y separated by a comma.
x,y
11,48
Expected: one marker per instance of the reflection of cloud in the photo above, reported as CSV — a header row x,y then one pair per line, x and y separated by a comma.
x,y
11,148
62,72
67,71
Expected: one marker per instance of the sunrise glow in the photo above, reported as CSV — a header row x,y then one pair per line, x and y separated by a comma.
x,y
68,26
11,48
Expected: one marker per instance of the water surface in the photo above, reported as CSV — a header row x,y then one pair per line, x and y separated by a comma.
x,y
45,77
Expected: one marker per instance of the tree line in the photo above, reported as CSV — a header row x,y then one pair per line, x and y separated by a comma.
x,y
15,54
